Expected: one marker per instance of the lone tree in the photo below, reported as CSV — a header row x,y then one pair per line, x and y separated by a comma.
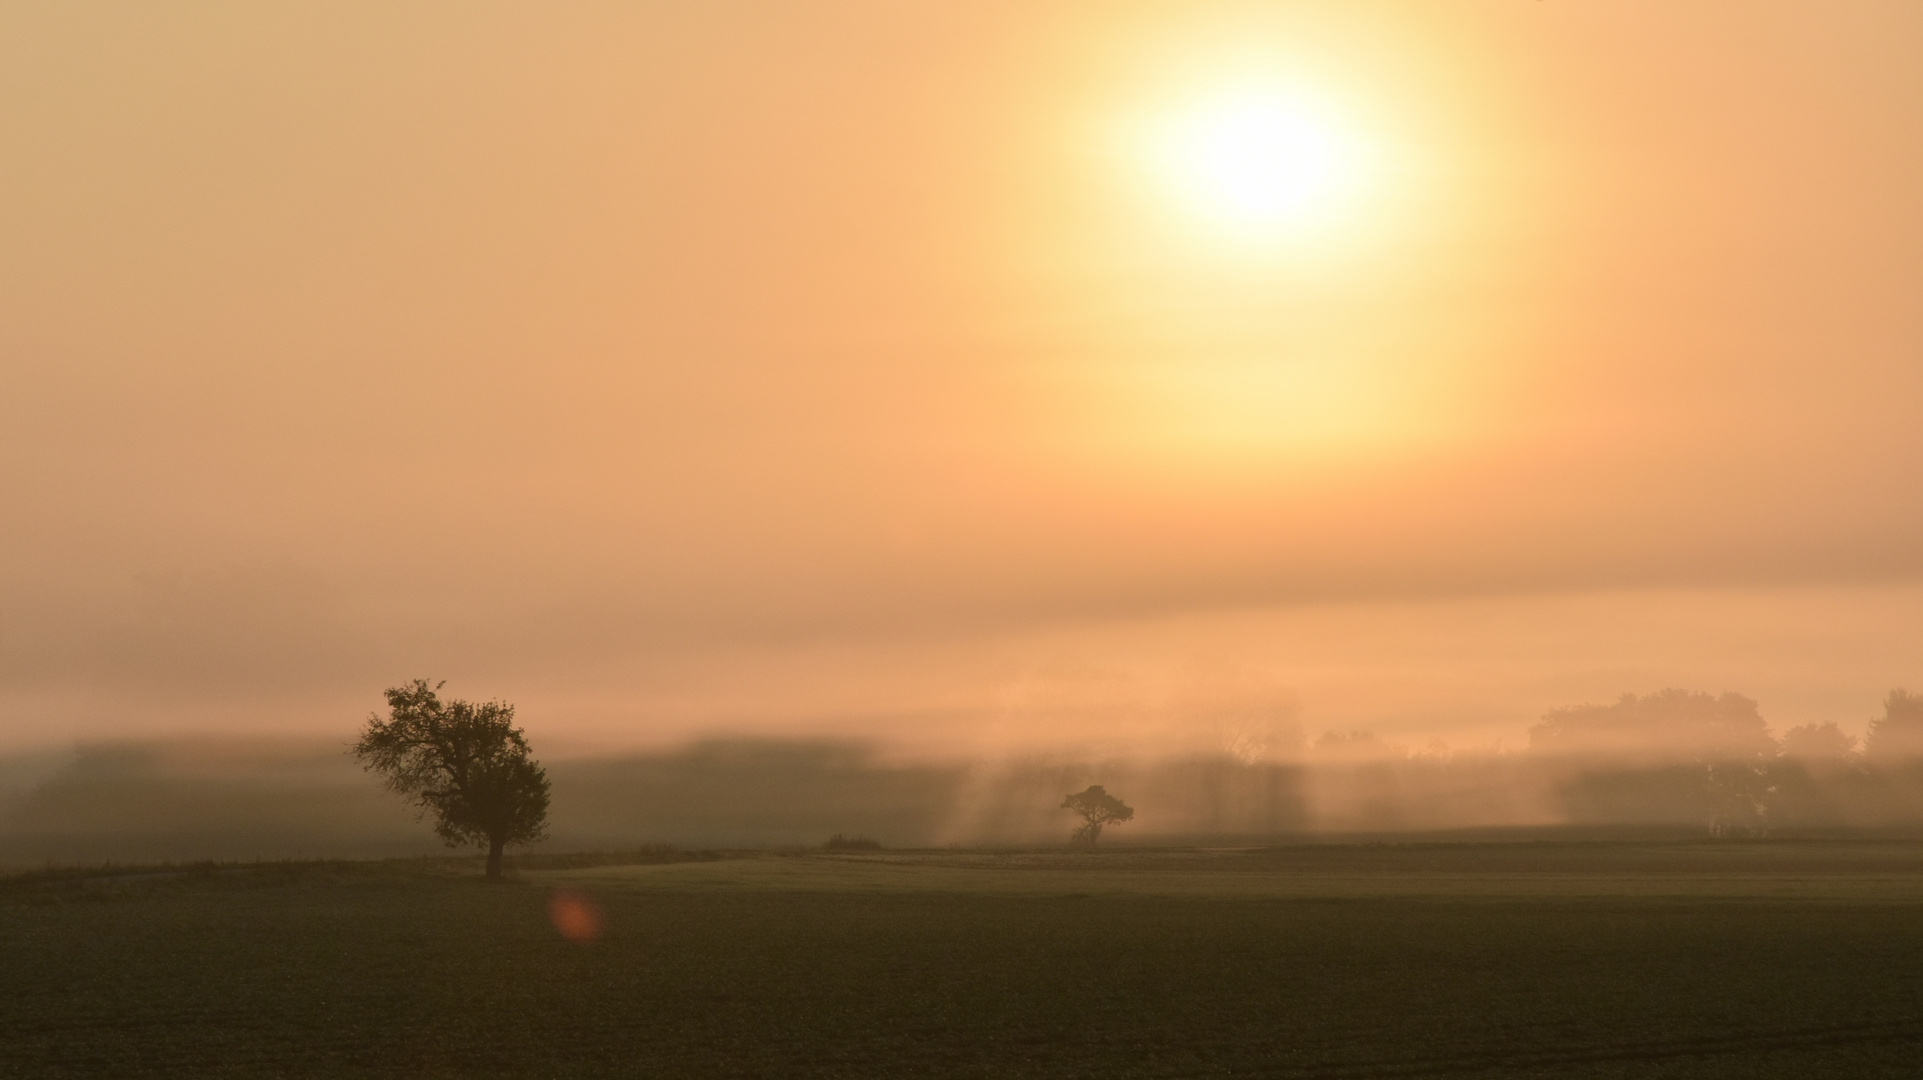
x,y
466,762
1098,808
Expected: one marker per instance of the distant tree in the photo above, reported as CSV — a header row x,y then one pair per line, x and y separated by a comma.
x,y
1665,727
1711,754
1817,781
1818,742
1098,808
464,761
1897,736
1356,746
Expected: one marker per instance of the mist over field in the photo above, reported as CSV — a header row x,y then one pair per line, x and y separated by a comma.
x,y
1685,765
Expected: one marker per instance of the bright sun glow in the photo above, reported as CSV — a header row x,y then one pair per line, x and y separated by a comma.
x,y
1257,161
1260,318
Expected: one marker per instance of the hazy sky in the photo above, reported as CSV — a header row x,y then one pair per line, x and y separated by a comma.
x,y
963,374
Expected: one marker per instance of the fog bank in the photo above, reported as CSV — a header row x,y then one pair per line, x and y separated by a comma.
x,y
229,799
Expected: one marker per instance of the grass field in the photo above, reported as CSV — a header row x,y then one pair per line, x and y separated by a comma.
x,y
1497,960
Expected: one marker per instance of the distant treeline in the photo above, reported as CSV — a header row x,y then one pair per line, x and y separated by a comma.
x,y
1670,760
1681,755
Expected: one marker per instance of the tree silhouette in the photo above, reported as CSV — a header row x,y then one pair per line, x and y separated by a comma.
x,y
466,762
1098,808
1665,727
1824,742
1714,753
1897,736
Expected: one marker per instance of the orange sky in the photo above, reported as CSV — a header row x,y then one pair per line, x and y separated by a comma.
x,y
851,367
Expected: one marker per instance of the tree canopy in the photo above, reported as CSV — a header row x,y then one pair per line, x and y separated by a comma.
x,y
1897,736
1716,748
464,761
1675,726
1097,808
1825,742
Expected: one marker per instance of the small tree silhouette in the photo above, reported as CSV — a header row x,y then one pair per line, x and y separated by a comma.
x,y
466,762
1098,808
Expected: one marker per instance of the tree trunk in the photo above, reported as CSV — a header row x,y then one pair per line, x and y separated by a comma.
x,y
494,846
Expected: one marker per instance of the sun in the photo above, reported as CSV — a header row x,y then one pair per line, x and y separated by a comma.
x,y
1257,162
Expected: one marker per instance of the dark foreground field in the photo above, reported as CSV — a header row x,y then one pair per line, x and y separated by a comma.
x,y
1736,960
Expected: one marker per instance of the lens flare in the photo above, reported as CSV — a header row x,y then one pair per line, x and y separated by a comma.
x,y
575,915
